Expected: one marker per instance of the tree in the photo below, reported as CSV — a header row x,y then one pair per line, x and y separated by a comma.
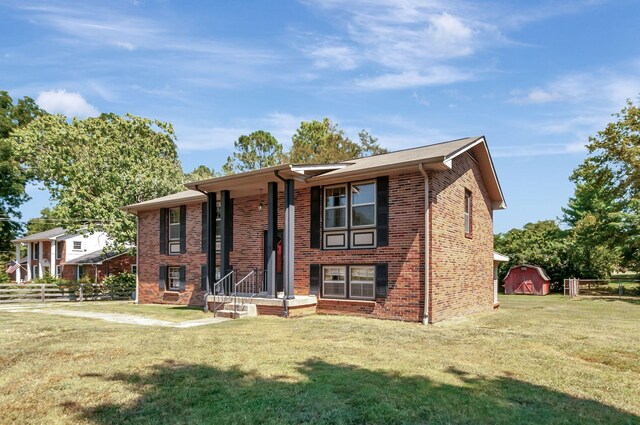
x,y
95,166
323,142
12,177
606,206
48,220
257,150
201,172
542,244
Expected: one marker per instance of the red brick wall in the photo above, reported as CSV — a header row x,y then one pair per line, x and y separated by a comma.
x,y
461,272
150,259
404,254
461,267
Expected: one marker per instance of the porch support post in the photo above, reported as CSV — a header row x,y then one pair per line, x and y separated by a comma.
x,y
19,269
29,268
211,240
289,238
52,267
40,259
225,240
272,234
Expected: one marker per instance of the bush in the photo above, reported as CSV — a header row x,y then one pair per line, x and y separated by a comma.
x,y
120,284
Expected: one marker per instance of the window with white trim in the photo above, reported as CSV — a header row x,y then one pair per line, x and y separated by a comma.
x,y
134,269
59,248
218,221
174,230
467,213
173,278
350,221
77,245
363,204
35,250
335,207
362,282
352,282
334,281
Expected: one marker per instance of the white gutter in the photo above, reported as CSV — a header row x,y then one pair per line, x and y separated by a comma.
x,y
137,248
427,245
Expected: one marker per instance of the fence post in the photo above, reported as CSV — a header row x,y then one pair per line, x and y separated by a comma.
x,y
42,292
82,292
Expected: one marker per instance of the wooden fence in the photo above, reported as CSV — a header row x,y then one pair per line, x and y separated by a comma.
x,y
574,287
34,292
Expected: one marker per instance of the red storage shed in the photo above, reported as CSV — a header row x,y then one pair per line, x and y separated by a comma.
x,y
526,279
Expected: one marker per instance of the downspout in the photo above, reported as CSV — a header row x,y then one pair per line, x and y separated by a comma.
x,y
285,306
427,245
208,290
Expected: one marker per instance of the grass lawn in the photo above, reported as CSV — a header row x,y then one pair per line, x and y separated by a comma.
x,y
171,313
537,360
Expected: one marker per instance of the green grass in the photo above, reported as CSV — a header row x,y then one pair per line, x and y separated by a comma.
x,y
171,313
537,360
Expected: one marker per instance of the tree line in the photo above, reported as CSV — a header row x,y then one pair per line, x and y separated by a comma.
x,y
599,231
92,167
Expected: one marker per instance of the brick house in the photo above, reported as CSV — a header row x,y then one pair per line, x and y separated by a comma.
x,y
406,235
69,256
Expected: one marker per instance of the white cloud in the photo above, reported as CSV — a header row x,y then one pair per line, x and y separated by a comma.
x,y
434,76
543,149
413,43
70,104
598,87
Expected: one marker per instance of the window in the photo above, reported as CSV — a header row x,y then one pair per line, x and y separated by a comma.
x,y
77,245
467,213
35,253
134,269
335,207
363,204
218,221
59,249
174,230
173,278
334,281
362,282
59,271
350,221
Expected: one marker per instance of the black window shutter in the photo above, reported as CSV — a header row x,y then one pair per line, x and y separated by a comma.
x,y
315,217
205,233
203,277
183,275
382,280
163,230
162,276
314,279
183,229
382,207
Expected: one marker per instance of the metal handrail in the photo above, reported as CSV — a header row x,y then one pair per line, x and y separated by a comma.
x,y
219,288
235,291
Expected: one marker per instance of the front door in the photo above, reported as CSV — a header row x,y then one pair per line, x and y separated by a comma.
x,y
279,262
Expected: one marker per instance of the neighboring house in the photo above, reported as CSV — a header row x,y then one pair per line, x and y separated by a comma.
x,y
406,235
59,253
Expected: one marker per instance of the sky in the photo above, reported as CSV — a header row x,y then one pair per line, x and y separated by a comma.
x,y
537,78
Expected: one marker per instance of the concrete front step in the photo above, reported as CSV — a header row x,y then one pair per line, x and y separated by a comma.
x,y
231,314
250,309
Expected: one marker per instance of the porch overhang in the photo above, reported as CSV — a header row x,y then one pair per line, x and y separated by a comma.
x,y
252,182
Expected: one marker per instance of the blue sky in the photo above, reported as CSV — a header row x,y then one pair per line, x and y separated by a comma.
x,y
536,78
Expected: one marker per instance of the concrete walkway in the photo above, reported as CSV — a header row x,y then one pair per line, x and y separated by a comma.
x,y
127,319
